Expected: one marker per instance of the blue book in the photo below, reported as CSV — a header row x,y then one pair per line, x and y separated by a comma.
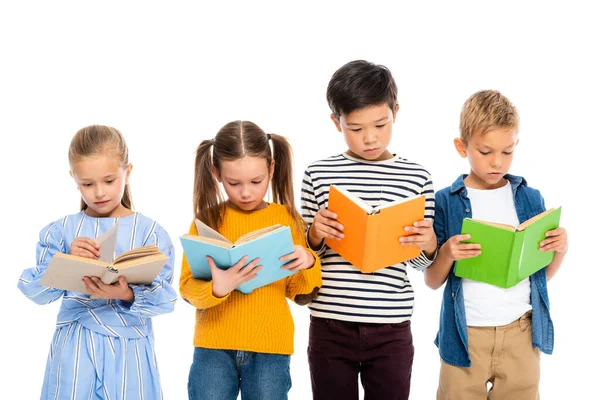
x,y
268,244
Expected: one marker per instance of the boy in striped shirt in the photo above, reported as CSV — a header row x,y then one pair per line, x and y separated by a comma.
x,y
360,323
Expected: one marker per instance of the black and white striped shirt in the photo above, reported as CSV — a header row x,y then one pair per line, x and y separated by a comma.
x,y
385,296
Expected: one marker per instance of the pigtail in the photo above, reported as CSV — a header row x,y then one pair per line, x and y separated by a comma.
x,y
208,200
283,177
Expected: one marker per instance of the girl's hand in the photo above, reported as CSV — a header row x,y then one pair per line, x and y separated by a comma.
x,y
224,281
455,250
119,290
85,247
556,240
303,259
325,225
424,237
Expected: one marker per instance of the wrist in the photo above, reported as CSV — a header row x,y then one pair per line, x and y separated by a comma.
x,y
128,296
313,241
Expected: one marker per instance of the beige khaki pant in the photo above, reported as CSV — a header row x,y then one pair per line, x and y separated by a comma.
x,y
500,355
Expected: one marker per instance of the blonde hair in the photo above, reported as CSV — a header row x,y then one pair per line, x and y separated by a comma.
x,y
236,140
484,111
98,139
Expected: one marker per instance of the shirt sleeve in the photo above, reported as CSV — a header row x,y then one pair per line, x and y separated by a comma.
x,y
159,297
309,207
422,262
196,291
51,241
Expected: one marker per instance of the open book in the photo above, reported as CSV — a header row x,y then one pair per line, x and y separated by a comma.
x,y
268,244
508,254
139,266
371,234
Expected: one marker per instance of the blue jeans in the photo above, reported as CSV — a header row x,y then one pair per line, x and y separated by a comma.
x,y
221,374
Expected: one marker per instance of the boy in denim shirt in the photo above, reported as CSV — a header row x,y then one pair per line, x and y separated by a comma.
x,y
487,333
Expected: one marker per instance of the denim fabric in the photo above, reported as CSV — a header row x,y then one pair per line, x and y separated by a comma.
x,y
222,374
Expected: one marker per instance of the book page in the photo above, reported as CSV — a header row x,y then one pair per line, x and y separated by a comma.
x,y
256,234
108,243
355,199
534,219
206,231
140,271
399,201
497,225
137,253
216,242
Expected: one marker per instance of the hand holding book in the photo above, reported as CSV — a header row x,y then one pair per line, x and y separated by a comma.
x,y
119,290
324,226
224,281
300,259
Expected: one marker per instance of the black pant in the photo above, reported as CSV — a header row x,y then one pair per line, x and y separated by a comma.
x,y
339,351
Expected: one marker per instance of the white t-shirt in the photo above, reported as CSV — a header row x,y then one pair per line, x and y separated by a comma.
x,y
485,304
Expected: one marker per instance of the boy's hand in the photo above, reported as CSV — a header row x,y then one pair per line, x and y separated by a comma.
x,y
85,247
325,225
119,290
303,259
455,250
556,240
424,237
224,281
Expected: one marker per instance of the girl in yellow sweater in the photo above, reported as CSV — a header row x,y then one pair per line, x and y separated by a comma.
x,y
244,342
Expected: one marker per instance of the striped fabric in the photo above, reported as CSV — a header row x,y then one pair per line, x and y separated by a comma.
x,y
385,296
102,349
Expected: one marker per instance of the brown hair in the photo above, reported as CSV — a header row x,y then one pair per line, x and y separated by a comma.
x,y
484,111
236,140
97,139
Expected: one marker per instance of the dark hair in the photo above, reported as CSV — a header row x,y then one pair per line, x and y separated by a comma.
x,y
97,139
359,84
235,140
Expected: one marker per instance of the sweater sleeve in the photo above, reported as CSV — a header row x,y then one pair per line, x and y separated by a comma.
x,y
51,241
303,286
196,291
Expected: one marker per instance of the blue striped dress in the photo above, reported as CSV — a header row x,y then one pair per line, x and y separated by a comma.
x,y
102,349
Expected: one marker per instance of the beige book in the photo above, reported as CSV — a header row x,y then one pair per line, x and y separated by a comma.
x,y
139,266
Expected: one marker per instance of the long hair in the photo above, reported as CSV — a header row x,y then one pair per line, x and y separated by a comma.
x,y
236,140
94,140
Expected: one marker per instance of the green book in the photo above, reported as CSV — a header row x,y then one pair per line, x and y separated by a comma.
x,y
508,254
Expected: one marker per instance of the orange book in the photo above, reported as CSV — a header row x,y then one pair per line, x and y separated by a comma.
x,y
371,234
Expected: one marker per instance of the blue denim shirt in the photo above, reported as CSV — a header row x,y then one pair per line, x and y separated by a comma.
x,y
451,206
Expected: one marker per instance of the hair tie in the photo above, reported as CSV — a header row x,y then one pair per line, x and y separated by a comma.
x,y
268,136
212,141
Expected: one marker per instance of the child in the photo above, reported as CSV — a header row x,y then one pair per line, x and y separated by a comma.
x,y
244,342
360,323
490,334
103,348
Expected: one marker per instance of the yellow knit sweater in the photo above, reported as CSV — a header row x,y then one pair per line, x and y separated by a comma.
x,y
260,321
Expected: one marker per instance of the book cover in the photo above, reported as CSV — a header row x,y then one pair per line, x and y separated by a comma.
x,y
508,254
371,234
268,244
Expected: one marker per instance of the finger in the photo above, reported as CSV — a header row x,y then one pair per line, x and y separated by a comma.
x,y
91,242
298,267
123,281
460,238
248,271
468,246
89,247
250,276
555,232
424,223
90,284
101,285
468,254
292,264
547,242
84,253
327,231
332,223
240,264
327,214
250,265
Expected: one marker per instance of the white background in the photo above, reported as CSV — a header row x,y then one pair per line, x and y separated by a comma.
x,y
169,75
